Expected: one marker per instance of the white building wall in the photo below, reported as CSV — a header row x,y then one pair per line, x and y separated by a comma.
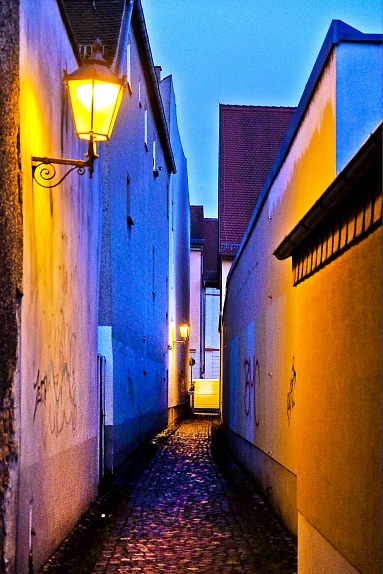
x,y
291,352
212,308
195,309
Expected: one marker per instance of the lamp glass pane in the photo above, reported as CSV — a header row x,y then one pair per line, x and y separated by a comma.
x,y
116,108
105,99
80,93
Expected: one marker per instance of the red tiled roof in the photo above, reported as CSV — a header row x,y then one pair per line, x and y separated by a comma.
x,y
249,140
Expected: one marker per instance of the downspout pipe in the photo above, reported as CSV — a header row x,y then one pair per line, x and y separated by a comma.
x,y
123,39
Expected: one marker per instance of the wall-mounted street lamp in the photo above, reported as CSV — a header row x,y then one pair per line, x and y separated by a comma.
x,y
95,95
185,334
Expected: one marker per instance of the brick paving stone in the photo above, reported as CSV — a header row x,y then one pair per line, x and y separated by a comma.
x,y
185,515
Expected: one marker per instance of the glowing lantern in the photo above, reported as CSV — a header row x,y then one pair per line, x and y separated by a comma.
x,y
95,94
185,331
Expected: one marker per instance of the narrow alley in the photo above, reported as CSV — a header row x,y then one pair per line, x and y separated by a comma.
x,y
191,509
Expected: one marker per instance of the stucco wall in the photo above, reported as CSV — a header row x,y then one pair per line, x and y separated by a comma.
x,y
358,75
340,404
259,320
59,394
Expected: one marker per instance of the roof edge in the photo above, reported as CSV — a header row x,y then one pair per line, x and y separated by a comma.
x,y
71,36
366,158
148,53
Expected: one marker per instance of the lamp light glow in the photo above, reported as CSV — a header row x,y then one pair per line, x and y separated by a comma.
x,y
185,331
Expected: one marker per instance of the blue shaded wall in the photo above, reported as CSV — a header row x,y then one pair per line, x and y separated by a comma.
x,y
357,84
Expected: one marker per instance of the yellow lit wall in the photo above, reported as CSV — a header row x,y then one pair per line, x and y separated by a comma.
x,y
261,358
302,365
340,404
206,393
310,166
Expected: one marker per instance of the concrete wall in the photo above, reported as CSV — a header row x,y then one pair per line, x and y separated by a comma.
x,y
354,120
297,376
58,395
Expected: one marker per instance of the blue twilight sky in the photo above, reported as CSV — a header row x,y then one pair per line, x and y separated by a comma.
x,y
247,52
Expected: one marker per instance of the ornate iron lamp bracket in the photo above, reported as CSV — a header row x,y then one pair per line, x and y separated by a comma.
x,y
44,171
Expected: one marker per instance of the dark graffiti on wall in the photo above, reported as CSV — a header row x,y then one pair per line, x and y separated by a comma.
x,y
55,386
290,394
252,384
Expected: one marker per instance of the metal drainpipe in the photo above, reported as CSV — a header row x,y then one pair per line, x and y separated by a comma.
x,y
121,54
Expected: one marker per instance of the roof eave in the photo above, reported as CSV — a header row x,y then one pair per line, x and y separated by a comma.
x,y
362,162
71,36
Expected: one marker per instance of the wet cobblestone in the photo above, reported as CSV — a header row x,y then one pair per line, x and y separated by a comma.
x,y
189,512
183,516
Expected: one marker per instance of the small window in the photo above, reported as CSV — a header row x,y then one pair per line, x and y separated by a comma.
x,y
128,65
172,210
146,128
139,93
155,168
129,217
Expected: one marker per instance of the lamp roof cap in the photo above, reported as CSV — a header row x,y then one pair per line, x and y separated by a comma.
x,y
95,67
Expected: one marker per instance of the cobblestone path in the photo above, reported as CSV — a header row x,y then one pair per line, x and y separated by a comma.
x,y
186,513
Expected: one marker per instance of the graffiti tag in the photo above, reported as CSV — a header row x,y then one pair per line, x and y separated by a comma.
x,y
55,386
252,382
290,394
